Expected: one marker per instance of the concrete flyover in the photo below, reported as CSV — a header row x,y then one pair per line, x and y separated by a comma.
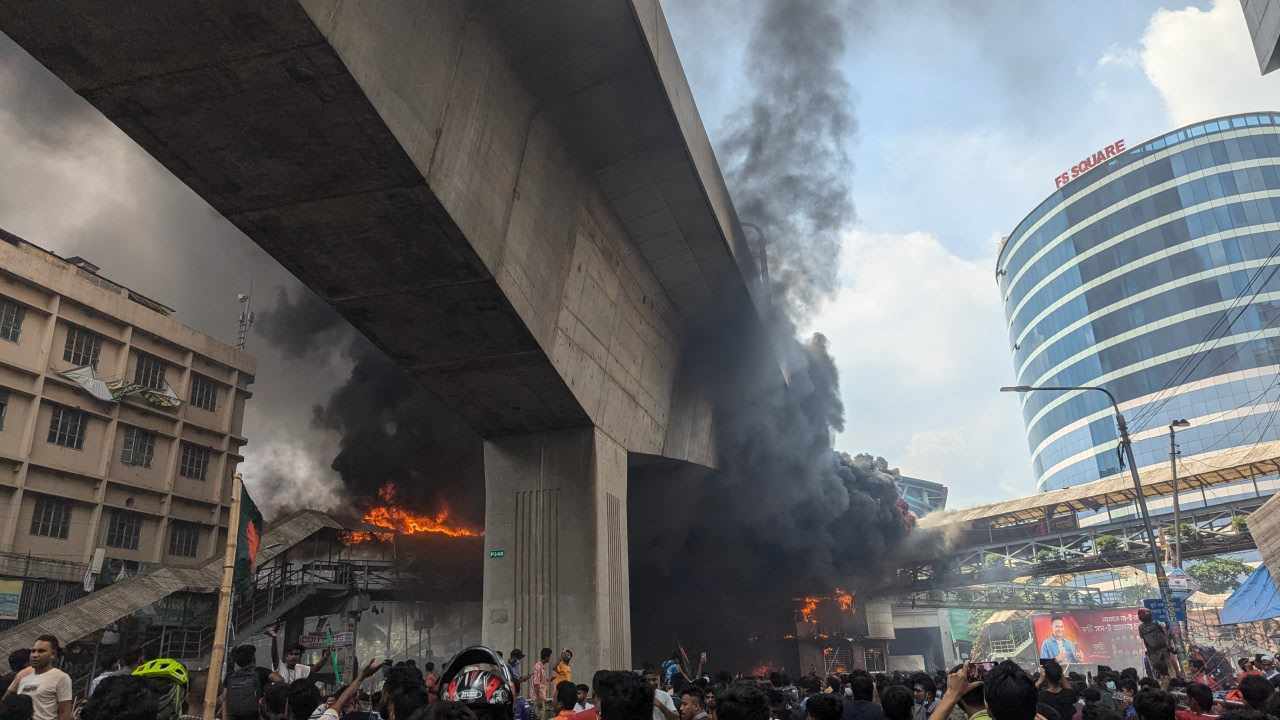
x,y
517,201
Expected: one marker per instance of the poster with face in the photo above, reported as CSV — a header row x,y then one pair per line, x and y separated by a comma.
x,y
1089,637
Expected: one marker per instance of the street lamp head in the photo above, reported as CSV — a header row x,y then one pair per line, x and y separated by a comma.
x,y
1016,388
1179,423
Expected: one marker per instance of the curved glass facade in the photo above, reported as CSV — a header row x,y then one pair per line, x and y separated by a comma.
x,y
1138,276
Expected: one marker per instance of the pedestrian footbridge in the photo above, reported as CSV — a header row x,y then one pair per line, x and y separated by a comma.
x,y
1097,526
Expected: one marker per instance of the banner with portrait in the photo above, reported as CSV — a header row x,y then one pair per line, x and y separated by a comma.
x,y
1089,637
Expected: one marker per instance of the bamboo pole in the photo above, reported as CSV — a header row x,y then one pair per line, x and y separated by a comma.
x,y
217,660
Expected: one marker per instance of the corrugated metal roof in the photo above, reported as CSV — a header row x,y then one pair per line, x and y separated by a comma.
x,y
1264,526
99,609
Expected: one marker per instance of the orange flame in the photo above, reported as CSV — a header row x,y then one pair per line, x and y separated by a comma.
x,y
356,537
393,516
845,599
807,609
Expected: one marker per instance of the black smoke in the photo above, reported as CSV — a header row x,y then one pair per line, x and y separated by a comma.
x,y
786,154
390,429
717,560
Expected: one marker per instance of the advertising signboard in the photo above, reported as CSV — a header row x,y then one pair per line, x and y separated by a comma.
x,y
1089,637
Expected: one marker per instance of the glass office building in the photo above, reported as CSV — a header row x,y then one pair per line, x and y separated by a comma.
x,y
1153,275
921,496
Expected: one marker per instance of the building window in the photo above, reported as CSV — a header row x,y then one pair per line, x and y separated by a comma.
x,y
195,461
204,393
139,447
11,320
4,405
124,529
150,372
67,428
184,539
52,517
82,347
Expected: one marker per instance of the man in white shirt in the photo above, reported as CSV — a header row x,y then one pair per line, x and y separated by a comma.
x,y
664,708
292,668
48,687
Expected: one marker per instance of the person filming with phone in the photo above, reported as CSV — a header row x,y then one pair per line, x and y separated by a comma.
x,y
1007,690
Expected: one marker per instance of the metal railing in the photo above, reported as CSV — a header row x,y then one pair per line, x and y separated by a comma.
x,y
1008,596
1205,531
276,588
278,583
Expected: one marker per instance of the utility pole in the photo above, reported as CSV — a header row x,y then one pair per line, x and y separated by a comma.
x,y
1126,447
1177,509
217,658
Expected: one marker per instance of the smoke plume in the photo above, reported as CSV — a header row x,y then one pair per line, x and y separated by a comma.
x,y
391,429
786,153
716,561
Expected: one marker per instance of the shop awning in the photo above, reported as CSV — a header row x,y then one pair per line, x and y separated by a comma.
x,y
1257,599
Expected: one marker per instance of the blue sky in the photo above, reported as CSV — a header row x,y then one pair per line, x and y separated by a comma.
x,y
967,111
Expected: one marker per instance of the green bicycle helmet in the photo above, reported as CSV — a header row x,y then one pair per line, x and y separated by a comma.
x,y
163,668
167,679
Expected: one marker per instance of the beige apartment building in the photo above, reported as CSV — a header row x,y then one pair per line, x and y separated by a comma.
x,y
120,427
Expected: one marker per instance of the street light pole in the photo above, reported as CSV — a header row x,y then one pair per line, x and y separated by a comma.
x,y
1177,510
1126,445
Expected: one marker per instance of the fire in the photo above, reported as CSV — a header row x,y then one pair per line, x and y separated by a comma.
x,y
355,537
807,609
845,599
392,516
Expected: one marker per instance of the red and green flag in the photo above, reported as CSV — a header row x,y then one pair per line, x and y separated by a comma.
x,y
248,541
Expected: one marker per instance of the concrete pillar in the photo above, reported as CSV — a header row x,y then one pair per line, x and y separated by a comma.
x,y
556,572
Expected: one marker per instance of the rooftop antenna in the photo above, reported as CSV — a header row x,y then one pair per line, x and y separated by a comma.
x,y
246,317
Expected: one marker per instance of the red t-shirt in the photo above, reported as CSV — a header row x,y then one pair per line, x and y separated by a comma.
x,y
591,713
1189,715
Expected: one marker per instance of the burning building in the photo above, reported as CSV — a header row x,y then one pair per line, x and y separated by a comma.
x,y
835,633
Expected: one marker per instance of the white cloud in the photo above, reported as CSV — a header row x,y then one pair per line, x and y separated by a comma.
x,y
1203,65
1120,56
918,335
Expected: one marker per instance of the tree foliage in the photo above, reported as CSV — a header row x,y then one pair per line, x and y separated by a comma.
x,y
1219,575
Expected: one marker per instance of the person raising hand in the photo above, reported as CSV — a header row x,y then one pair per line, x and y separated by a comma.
x,y
958,685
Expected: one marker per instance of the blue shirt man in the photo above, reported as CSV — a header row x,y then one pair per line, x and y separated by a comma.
x,y
1058,647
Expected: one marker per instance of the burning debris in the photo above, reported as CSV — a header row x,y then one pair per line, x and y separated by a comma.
x,y
391,518
809,605
390,515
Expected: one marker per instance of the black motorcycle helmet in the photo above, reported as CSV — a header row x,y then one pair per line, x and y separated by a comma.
x,y
479,679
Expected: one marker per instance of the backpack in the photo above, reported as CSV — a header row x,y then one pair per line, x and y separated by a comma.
x,y
169,697
243,691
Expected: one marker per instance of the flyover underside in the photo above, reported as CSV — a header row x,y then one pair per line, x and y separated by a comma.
x,y
253,109
517,202
1206,531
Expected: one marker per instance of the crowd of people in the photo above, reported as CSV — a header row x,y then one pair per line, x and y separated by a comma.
x,y
480,684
